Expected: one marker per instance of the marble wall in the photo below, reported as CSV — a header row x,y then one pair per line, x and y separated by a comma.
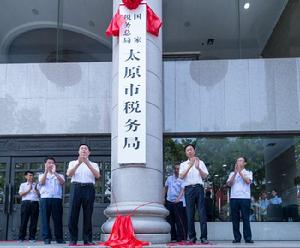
x,y
232,95
65,98
199,96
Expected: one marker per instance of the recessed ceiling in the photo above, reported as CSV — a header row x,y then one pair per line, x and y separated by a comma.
x,y
212,28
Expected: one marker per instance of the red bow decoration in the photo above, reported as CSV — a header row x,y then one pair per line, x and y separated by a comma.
x,y
122,234
132,4
153,21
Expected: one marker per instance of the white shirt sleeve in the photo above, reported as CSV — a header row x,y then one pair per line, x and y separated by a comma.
x,y
203,167
40,176
230,176
167,182
21,189
96,166
250,175
71,165
181,168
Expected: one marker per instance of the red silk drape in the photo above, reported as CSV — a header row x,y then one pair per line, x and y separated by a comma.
x,y
122,234
153,21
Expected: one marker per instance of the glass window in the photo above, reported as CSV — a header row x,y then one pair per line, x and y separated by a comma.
x,y
274,161
54,31
2,185
230,29
2,166
74,30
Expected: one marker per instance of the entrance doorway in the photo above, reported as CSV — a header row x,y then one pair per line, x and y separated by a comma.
x,y
12,169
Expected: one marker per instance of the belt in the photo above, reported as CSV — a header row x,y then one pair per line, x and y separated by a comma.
x,y
83,184
29,201
194,185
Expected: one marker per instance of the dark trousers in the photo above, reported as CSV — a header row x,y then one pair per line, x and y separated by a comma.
x,y
194,195
82,195
240,208
51,207
177,220
29,210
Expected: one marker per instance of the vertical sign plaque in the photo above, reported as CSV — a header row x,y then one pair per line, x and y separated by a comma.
x,y
132,87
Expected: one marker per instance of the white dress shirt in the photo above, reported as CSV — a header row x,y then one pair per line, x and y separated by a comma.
x,y
32,195
240,189
83,174
52,187
193,176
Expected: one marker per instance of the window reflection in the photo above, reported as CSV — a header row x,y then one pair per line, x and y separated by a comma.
x,y
274,161
74,30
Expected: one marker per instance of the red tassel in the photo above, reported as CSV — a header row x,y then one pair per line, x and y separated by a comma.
x,y
113,28
122,234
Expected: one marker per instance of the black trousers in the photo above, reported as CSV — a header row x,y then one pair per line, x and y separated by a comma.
x,y
194,196
82,195
51,207
177,220
29,210
240,208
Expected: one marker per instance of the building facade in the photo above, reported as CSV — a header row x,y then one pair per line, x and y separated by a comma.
x,y
228,80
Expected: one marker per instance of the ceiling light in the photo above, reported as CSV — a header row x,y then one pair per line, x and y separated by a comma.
x,y
246,5
271,144
210,42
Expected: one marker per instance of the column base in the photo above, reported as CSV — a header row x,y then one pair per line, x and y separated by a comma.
x,y
152,238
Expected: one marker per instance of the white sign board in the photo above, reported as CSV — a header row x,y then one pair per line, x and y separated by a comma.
x,y
132,87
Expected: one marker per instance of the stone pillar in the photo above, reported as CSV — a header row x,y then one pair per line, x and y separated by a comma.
x,y
136,185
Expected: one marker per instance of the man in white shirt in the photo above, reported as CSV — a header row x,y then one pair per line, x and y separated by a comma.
x,y
29,207
240,200
50,185
193,172
175,203
83,174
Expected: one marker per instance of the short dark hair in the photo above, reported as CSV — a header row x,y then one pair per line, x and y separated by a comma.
x,y
49,158
28,172
245,159
192,145
83,144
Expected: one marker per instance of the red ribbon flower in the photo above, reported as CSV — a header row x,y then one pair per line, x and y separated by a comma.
x,y
153,21
132,4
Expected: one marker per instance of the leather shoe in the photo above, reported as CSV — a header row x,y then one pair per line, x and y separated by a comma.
x,y
60,241
73,242
88,243
249,241
194,240
47,242
236,241
204,241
